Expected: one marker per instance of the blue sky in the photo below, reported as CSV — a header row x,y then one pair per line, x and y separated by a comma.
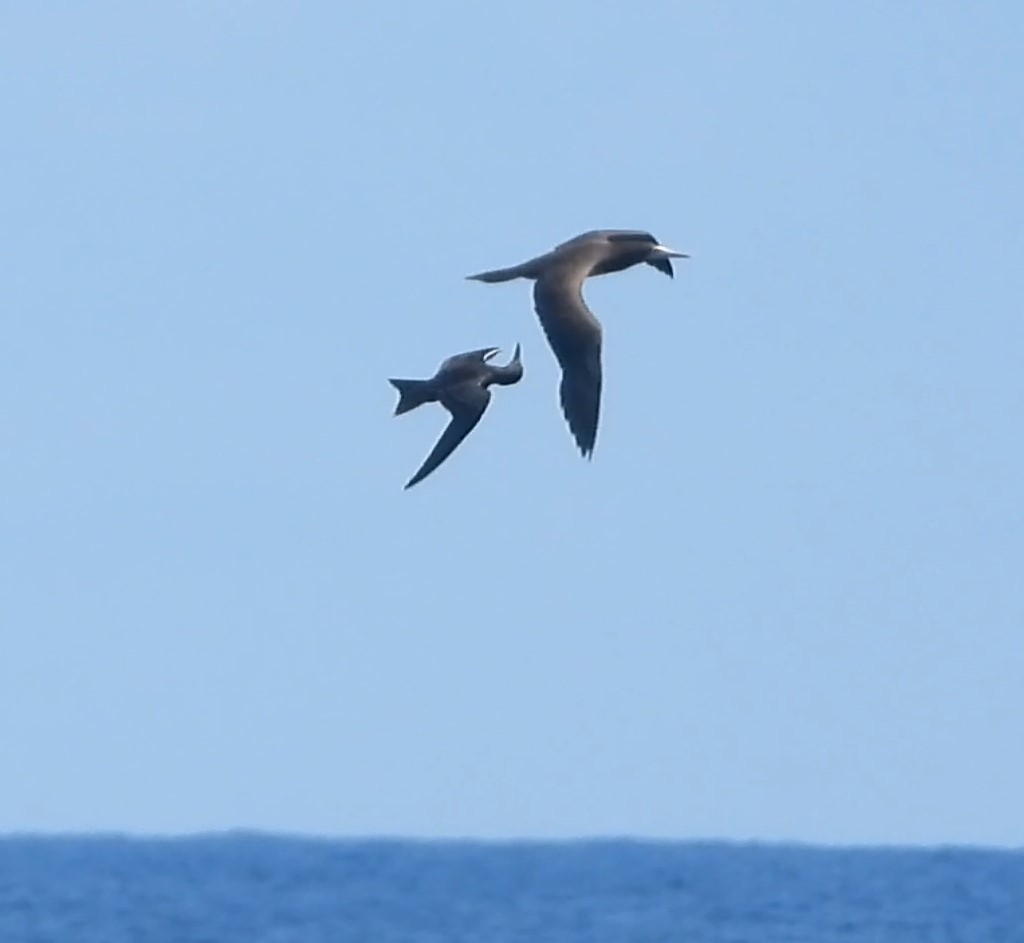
x,y
785,599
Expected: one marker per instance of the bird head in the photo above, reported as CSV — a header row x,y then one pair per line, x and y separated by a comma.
x,y
484,354
628,247
660,257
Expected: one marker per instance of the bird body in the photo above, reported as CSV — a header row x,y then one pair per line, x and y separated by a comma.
x,y
460,385
573,332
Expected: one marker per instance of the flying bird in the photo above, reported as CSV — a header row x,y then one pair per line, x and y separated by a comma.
x,y
571,328
460,386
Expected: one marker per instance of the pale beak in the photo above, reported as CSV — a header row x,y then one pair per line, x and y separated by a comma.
x,y
664,252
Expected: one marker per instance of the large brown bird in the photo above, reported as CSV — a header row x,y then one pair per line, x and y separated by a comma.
x,y
460,386
571,328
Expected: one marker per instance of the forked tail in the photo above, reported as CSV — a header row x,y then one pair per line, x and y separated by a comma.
x,y
411,393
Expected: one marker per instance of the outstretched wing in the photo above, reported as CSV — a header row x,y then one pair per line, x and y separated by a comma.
x,y
467,403
575,336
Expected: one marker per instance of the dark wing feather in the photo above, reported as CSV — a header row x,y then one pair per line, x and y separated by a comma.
x,y
575,336
467,403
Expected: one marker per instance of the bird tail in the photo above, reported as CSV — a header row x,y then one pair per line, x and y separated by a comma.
x,y
411,393
523,270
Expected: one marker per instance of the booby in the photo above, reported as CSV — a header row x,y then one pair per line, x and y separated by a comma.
x,y
461,386
571,328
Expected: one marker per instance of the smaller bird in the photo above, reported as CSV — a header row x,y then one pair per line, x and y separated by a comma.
x,y
460,386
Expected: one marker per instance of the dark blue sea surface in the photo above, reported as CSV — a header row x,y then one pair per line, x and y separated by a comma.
x,y
256,889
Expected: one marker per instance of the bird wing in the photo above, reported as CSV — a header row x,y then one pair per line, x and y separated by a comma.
x,y
575,336
467,403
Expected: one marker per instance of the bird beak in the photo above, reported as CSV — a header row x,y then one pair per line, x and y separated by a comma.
x,y
664,252
492,352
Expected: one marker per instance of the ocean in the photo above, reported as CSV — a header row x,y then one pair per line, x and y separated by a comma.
x,y
241,888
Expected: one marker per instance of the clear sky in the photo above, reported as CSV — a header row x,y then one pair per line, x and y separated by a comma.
x,y
784,601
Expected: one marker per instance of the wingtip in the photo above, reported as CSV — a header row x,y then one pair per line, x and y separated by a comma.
x,y
586,451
